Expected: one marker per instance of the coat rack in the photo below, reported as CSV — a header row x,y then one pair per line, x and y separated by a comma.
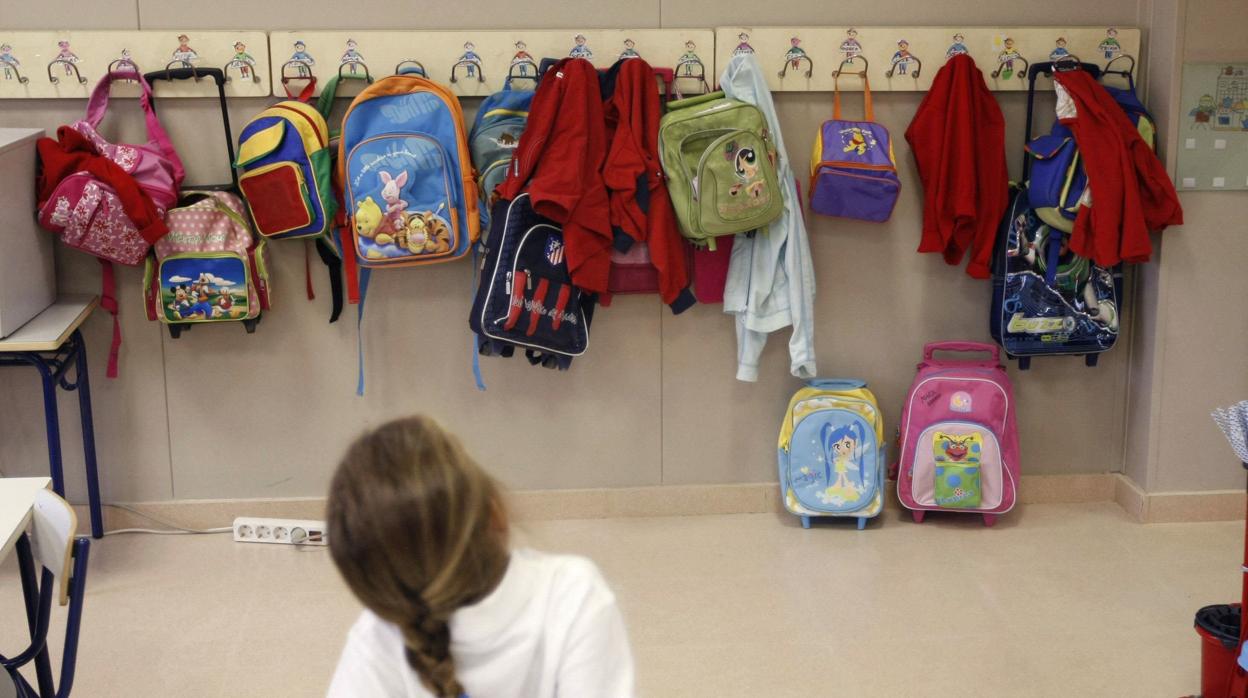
x,y
52,64
906,58
476,63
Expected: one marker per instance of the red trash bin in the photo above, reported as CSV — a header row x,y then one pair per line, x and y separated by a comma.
x,y
1218,627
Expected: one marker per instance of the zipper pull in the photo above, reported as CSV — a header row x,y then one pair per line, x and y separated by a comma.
x,y
508,283
694,184
528,280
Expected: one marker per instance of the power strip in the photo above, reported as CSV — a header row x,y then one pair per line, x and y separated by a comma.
x,y
284,531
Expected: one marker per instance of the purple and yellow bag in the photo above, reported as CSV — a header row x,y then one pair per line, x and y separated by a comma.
x,y
853,173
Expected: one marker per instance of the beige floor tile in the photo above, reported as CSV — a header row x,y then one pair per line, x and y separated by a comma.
x,y
1054,600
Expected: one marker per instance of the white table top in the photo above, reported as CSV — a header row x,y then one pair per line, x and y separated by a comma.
x,y
17,497
48,330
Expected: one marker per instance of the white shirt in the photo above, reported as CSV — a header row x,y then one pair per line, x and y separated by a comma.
x,y
550,630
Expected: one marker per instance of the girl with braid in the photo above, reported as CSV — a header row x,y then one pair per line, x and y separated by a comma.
x,y
420,534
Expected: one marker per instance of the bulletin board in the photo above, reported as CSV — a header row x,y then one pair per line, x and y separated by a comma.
x,y
50,64
906,58
1213,127
479,61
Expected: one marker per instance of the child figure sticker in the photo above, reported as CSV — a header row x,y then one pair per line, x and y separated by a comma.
x,y
523,61
183,56
958,47
630,50
1059,51
10,65
65,56
302,59
850,46
688,61
902,58
743,45
581,49
352,58
1109,46
242,62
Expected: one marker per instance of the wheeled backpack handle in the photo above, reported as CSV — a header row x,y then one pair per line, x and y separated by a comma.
x,y
967,347
217,76
836,383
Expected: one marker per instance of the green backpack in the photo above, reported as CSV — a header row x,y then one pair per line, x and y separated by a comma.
x,y
720,167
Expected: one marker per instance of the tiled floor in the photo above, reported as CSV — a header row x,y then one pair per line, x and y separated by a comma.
x,y
1057,600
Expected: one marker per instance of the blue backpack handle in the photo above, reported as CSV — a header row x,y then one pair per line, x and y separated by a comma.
x,y
836,383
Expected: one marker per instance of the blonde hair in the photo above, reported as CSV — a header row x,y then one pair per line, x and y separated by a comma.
x,y
417,530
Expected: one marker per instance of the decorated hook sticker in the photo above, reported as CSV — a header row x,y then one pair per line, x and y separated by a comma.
x,y
743,45
11,65
243,62
850,46
470,59
184,54
351,58
688,61
1109,46
903,60
581,49
1007,60
66,56
1059,51
523,61
794,57
630,50
957,47
302,59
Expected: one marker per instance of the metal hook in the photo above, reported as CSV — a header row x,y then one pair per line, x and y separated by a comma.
x,y
242,66
528,71
1022,74
685,71
352,64
469,67
129,65
69,65
16,71
398,69
795,61
850,61
914,73
302,71
1061,63
1128,72
178,63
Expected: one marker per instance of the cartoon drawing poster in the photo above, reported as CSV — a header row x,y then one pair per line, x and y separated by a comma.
x,y
1213,127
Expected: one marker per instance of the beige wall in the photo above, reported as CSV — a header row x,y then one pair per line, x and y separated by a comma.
x,y
221,414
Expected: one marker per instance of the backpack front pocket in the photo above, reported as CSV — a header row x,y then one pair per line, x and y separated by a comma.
x,y
862,193
404,205
834,461
537,306
283,191
204,288
734,186
957,465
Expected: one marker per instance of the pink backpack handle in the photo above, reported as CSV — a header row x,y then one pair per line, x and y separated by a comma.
x,y
972,347
98,104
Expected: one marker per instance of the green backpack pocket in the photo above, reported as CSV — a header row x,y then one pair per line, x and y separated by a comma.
x,y
735,187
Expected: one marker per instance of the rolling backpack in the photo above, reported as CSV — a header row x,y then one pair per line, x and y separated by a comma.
x,y
959,436
1046,300
853,173
209,268
720,165
408,187
831,452
493,139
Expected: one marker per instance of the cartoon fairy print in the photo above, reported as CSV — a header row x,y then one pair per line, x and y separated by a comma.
x,y
351,57
9,62
902,58
242,60
1109,46
850,46
65,56
957,47
687,61
1059,50
630,50
470,59
522,60
842,453
581,49
184,54
743,45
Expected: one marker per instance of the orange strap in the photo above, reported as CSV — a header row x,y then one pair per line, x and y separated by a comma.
x,y
866,97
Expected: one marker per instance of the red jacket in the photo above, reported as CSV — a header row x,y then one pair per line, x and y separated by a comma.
x,y
72,152
958,139
559,162
1131,192
632,114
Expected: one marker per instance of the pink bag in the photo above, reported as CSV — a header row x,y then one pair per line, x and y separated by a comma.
x,y
86,212
959,436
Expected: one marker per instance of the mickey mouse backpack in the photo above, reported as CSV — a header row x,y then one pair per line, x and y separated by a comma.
x,y
959,436
831,452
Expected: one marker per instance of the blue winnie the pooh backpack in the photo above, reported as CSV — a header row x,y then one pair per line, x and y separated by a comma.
x,y
408,186
493,139
831,452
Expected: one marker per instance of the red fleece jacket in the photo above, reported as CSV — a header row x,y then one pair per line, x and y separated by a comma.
x,y
632,117
958,139
559,162
72,152
1131,192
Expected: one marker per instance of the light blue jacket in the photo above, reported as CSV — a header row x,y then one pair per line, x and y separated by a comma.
x,y
771,281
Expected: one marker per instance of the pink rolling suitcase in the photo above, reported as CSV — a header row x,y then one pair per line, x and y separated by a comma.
x,y
959,436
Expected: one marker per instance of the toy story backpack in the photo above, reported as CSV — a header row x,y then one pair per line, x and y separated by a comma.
x,y
831,452
959,436
853,173
720,165
209,268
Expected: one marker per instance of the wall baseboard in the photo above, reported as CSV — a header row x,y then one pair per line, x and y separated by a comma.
x,y
541,505
1176,507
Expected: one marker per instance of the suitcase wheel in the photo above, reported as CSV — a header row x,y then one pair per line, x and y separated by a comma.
x,y
250,325
175,331
805,522
918,516
862,522
990,519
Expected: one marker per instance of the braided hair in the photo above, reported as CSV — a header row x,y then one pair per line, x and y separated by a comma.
x,y
417,530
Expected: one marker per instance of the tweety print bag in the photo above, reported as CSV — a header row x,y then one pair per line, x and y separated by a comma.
x,y
853,173
831,452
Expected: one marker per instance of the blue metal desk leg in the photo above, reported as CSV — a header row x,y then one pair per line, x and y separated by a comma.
x,y
30,594
83,385
52,421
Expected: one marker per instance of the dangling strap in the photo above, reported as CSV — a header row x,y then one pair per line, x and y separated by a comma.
x,y
475,345
307,268
333,264
866,98
262,289
98,104
365,273
108,301
1053,257
350,266
305,95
